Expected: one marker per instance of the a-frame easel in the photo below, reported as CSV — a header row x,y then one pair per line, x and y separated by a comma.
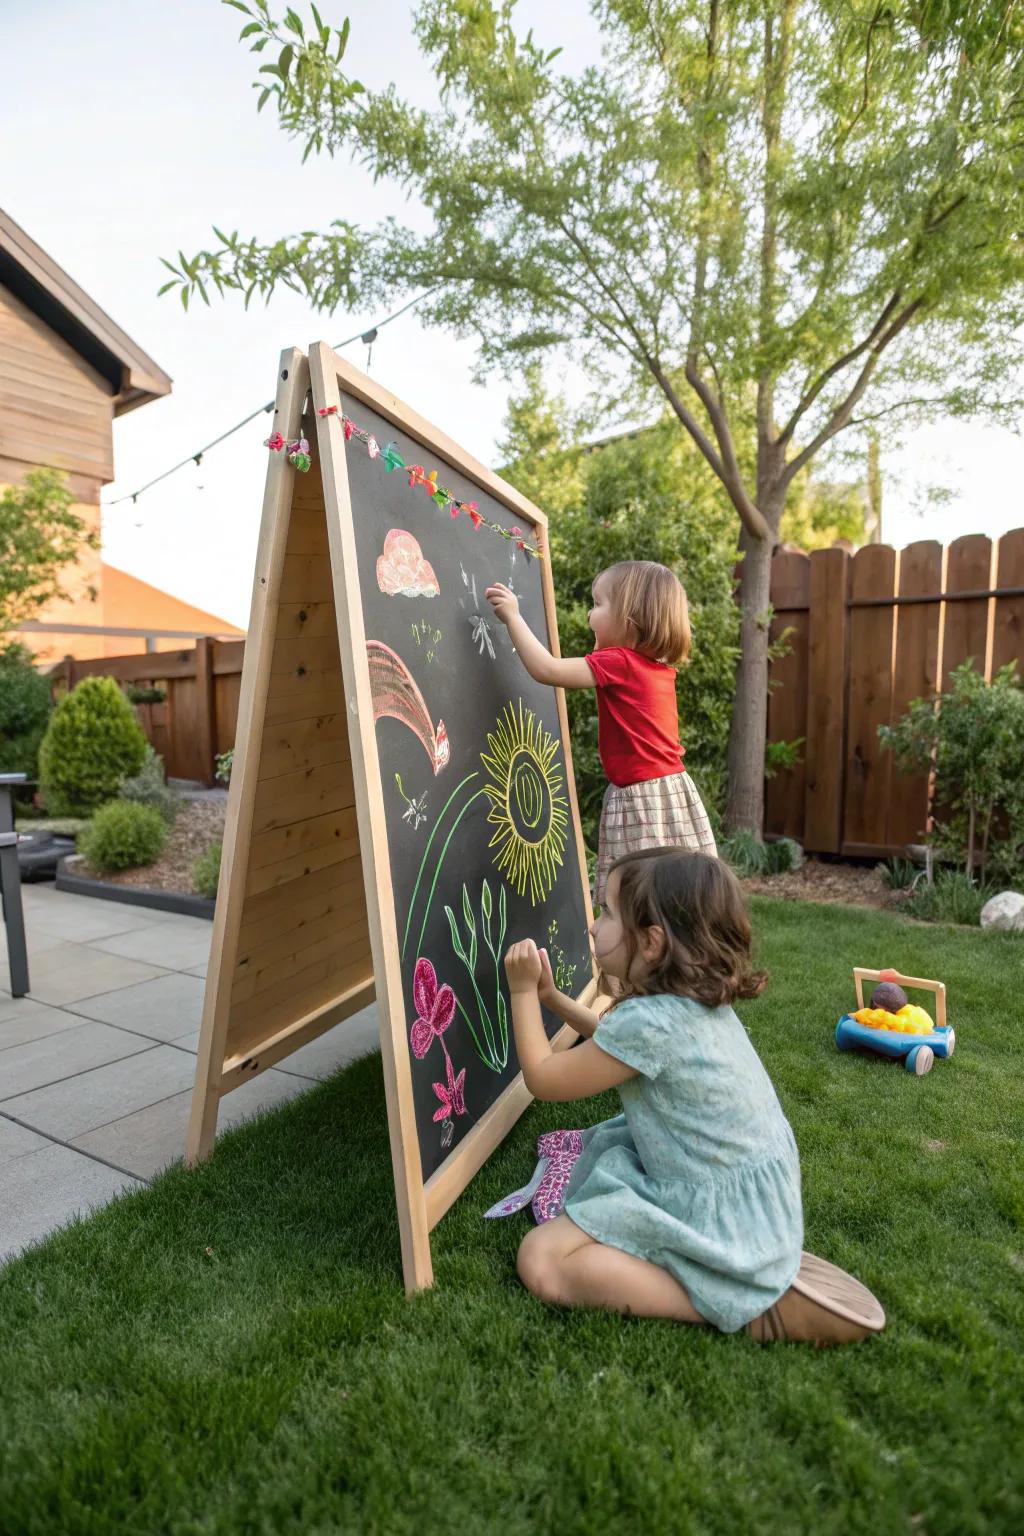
x,y
304,931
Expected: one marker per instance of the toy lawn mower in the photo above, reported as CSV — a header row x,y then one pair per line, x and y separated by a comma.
x,y
892,1026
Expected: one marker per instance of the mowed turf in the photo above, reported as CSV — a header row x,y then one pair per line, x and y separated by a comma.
x,y
231,1350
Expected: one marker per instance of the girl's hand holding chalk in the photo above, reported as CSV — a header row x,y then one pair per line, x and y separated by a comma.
x,y
504,602
523,967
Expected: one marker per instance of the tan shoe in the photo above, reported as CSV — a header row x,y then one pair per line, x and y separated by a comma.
x,y
824,1305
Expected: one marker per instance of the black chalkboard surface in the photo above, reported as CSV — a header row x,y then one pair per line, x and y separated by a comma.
x,y
480,835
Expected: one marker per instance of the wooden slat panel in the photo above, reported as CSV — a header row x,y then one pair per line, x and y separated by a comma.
x,y
785,793
299,864
295,1034
869,694
324,739
328,941
303,837
319,694
306,579
965,627
273,910
915,676
247,1031
334,894
825,750
311,653
226,693
1008,625
301,796
307,619
146,667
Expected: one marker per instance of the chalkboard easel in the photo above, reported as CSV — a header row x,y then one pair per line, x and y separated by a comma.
x,y
306,931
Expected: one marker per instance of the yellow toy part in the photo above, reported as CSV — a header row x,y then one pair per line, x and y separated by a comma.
x,y
910,1020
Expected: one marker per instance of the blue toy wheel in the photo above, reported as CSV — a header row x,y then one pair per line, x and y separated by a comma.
x,y
919,1060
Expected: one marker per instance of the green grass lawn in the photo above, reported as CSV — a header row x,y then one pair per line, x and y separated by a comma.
x,y
231,1351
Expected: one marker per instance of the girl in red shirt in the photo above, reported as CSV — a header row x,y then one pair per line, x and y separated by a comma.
x,y
642,629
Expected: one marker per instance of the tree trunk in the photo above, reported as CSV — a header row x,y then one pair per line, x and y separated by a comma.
x,y
745,805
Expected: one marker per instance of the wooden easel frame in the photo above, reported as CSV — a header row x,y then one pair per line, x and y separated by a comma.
x,y
420,1203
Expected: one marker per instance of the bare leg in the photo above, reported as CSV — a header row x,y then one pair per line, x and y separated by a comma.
x,y
559,1263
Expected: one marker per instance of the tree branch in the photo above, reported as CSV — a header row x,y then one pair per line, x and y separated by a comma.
x,y
808,399
840,417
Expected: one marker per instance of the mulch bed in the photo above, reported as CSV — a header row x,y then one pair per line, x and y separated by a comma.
x,y
199,823
851,885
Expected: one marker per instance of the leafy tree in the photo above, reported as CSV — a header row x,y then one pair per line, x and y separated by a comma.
x,y
973,738
818,512
39,537
25,705
781,221
640,496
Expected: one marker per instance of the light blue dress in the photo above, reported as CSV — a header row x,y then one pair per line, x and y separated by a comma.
x,y
700,1173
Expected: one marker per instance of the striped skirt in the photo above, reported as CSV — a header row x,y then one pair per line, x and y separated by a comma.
x,y
659,813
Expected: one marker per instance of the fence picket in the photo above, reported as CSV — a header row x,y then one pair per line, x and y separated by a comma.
x,y
869,699
915,676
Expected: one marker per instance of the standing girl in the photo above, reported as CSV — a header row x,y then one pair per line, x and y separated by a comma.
x,y
642,631
687,1205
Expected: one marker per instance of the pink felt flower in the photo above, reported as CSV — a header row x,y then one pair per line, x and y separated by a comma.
x,y
350,427
328,410
453,1098
435,1007
275,442
372,447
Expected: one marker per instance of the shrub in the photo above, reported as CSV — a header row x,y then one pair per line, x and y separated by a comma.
x,y
745,853
92,742
953,897
974,738
206,871
224,761
25,705
898,874
123,836
783,855
149,787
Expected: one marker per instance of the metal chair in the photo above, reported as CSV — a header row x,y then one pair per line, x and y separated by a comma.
x,y
10,887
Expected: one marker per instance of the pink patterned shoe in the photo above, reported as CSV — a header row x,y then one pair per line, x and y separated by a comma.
x,y
557,1152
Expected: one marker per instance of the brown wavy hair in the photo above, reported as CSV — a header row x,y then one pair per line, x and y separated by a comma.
x,y
697,901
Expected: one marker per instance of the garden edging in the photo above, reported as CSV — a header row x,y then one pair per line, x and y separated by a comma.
x,y
132,895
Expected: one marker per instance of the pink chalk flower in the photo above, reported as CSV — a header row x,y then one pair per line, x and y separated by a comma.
x,y
453,1098
435,1008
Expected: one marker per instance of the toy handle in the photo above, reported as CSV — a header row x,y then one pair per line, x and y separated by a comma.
x,y
861,975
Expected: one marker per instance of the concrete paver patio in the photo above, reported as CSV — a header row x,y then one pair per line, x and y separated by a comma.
x,y
97,1063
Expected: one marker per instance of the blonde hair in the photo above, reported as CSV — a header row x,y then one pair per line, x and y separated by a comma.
x,y
651,598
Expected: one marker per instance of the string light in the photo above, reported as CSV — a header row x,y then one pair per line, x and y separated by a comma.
x,y
367,337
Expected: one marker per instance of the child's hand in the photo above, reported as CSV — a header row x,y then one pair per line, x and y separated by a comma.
x,y
546,989
523,967
504,602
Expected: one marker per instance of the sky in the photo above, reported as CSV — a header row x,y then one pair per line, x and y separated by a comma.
x,y
135,131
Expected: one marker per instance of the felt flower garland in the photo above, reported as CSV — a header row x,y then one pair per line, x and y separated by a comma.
x,y
443,499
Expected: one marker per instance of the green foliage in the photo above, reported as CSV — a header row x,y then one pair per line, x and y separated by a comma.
x,y
137,695
639,497
224,761
783,855
899,874
149,787
93,742
818,512
744,852
778,222
206,871
973,736
39,536
25,705
953,897
123,835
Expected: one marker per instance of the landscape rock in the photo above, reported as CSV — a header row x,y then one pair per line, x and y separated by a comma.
x,y
1004,912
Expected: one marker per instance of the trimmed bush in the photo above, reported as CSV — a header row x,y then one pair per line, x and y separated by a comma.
x,y
783,855
92,742
25,706
206,871
123,836
149,787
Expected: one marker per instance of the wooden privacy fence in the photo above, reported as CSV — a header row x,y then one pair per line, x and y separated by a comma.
x,y
197,719
869,633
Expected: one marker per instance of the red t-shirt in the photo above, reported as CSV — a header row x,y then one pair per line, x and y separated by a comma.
x,y
637,718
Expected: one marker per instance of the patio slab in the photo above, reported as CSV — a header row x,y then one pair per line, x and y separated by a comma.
x,y
165,1008
47,1188
171,946
153,1138
78,1104
69,972
56,1058
22,1019
347,1041
16,1141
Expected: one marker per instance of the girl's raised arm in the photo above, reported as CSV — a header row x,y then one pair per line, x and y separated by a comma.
x,y
558,671
550,1075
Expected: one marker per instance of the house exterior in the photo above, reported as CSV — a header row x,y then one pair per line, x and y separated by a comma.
x,y
66,371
